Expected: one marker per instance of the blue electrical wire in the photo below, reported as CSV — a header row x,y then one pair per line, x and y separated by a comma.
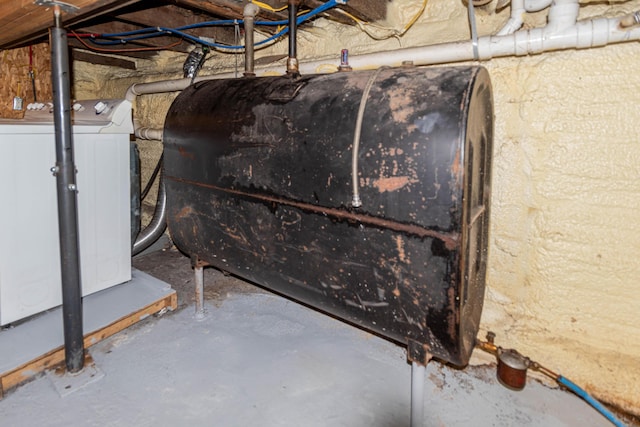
x,y
590,400
150,32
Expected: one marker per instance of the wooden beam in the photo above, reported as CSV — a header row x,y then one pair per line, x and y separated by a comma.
x,y
55,357
110,61
173,17
23,21
119,27
148,55
366,10
231,9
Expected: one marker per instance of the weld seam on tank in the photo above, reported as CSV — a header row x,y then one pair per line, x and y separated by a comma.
x,y
356,202
450,240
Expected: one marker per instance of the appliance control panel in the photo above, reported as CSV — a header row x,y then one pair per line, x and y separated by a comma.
x,y
112,114
94,111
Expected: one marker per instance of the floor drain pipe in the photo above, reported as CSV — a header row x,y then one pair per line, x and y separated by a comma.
x,y
292,61
250,12
65,173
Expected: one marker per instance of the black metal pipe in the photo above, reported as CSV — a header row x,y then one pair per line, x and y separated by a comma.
x,y
65,173
292,62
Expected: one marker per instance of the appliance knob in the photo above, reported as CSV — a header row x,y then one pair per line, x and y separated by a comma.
x,y
100,107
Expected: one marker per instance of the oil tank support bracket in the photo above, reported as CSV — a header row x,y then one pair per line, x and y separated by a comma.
x,y
417,394
418,354
198,269
356,202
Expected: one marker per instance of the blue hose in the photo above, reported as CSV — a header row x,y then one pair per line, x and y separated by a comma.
x,y
590,400
150,32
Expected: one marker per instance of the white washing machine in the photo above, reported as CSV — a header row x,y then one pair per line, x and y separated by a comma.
x,y
29,242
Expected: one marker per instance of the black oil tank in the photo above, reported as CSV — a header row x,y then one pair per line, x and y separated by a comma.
x,y
259,177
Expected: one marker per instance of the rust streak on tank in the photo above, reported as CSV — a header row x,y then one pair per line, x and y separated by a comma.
x,y
392,183
186,154
450,240
184,212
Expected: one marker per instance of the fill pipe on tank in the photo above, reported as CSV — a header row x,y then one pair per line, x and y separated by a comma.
x,y
292,60
250,12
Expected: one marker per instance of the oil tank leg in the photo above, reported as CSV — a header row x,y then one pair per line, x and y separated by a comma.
x,y
198,268
417,394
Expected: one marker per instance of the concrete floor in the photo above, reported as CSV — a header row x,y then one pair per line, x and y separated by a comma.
x,y
261,360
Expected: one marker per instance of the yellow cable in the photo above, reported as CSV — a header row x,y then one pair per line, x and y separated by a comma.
x,y
266,6
392,32
415,18
344,12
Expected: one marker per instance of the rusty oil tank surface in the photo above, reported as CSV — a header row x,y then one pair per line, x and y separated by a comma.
x,y
258,174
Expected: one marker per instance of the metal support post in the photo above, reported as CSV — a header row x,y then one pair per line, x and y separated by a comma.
x,y
65,172
198,269
417,394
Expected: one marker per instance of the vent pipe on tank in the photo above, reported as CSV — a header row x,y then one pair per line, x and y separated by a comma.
x,y
292,61
250,12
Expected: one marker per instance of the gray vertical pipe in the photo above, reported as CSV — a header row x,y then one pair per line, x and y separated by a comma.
x,y
65,172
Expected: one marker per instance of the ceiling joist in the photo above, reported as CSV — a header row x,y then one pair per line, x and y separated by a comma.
x,y
24,23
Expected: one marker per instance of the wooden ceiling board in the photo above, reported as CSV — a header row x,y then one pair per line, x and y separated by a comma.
x,y
173,17
229,9
22,20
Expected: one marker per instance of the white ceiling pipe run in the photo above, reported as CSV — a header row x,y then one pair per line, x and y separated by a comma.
x,y
563,14
536,5
151,134
580,35
516,20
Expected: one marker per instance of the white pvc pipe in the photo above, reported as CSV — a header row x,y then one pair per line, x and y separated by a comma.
x,y
417,394
156,87
563,14
536,5
148,133
515,21
559,35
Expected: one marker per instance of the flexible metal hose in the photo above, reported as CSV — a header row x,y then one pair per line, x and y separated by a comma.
x,y
158,223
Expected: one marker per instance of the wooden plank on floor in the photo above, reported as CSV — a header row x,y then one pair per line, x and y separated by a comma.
x,y
55,357
27,370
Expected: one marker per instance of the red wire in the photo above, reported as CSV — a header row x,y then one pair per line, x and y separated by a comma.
x,y
84,35
137,49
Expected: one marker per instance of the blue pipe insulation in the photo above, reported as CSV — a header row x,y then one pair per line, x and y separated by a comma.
x,y
590,400
150,32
